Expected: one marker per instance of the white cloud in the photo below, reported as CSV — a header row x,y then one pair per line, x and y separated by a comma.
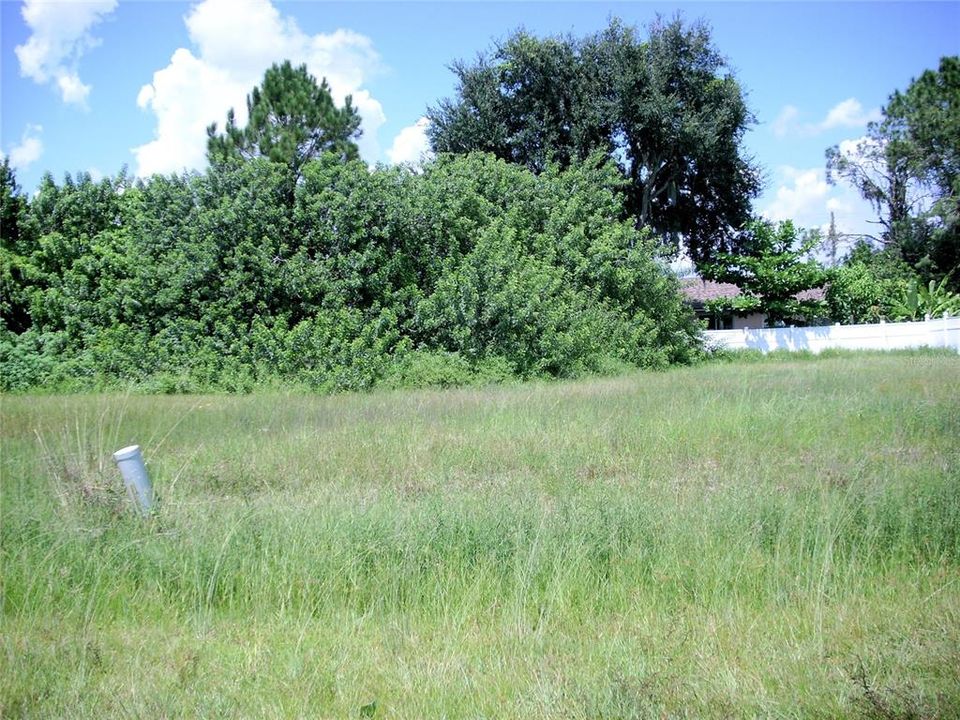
x,y
29,150
847,114
411,144
236,41
867,153
837,205
60,35
861,148
851,147
72,88
186,96
805,197
785,121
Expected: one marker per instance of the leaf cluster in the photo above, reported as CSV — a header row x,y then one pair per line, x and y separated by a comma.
x,y
918,300
856,294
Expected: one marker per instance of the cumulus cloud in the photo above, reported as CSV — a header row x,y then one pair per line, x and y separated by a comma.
x,y
862,148
197,88
802,196
805,197
60,35
411,144
186,96
29,150
847,114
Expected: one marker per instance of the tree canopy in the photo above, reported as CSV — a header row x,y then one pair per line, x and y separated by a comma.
x,y
924,122
13,313
292,119
667,109
772,270
908,168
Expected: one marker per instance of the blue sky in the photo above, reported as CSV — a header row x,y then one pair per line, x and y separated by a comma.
x,y
96,85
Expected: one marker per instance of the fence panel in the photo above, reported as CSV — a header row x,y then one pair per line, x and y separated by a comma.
x,y
940,332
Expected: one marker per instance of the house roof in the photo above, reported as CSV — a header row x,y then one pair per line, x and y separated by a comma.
x,y
699,291
812,294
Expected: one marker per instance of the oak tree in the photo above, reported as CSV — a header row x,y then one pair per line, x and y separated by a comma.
x,y
667,109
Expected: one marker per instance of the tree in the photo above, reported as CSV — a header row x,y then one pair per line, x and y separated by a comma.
x,y
681,116
12,204
291,120
924,122
519,105
667,110
908,168
856,293
13,300
772,270
881,177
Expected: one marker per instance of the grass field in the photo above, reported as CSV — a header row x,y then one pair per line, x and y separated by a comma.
x,y
769,539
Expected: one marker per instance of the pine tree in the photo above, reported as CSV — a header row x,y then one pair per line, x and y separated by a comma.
x,y
291,120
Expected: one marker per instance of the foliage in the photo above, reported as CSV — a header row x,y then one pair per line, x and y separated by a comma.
x,y
855,294
467,271
291,120
924,122
772,270
13,300
908,168
873,284
667,109
884,263
931,300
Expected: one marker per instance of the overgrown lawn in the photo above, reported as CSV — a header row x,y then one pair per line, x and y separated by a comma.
x,y
776,539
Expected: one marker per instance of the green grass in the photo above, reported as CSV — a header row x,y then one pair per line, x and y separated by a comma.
x,y
774,539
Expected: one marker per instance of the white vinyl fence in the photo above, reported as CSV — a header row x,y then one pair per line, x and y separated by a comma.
x,y
939,333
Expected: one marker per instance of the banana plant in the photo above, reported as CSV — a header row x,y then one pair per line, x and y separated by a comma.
x,y
933,299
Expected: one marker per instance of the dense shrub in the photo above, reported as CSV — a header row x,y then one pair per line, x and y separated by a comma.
x,y
856,294
468,270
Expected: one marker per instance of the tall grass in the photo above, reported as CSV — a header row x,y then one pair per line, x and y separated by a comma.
x,y
770,539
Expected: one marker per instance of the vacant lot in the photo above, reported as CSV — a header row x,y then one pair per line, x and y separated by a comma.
x,y
776,539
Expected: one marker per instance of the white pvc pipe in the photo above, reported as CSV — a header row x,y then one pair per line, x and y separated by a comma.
x,y
134,472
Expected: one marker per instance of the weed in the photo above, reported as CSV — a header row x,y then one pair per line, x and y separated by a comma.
x,y
888,703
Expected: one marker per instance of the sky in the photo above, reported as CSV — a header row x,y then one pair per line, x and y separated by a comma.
x,y
98,85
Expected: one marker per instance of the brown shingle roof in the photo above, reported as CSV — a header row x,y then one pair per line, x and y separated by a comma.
x,y
812,294
699,291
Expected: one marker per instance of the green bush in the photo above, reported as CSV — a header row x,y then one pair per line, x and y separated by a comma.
x,y
470,270
855,294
